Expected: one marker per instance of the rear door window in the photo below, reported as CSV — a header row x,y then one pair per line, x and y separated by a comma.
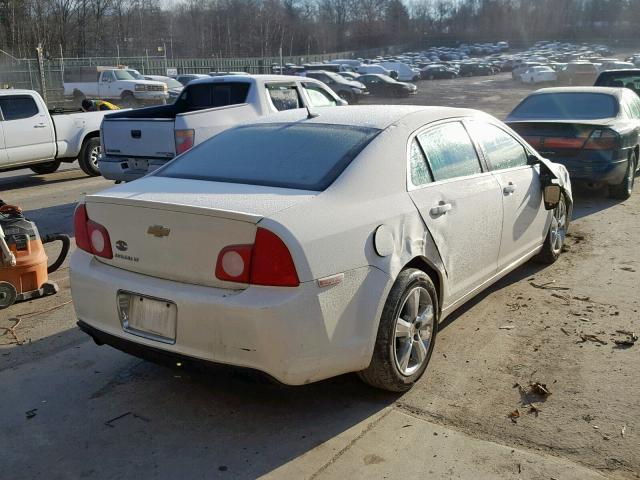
x,y
501,149
449,151
284,97
212,95
419,170
18,107
318,97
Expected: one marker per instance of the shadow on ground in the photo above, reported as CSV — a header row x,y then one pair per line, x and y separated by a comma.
x,y
103,414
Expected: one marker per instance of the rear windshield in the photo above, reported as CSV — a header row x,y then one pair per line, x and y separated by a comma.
x,y
298,156
210,95
620,80
570,105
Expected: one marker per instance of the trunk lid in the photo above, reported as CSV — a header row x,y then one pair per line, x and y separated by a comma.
x,y
137,137
175,228
550,138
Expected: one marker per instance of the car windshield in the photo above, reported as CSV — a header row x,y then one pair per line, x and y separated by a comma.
x,y
123,75
619,80
172,83
135,74
569,105
297,156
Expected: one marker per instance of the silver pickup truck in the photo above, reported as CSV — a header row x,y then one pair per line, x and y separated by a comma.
x,y
136,142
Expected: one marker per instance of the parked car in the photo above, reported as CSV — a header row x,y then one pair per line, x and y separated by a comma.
x,y
616,65
438,72
384,86
185,78
405,72
376,69
213,258
222,74
111,83
540,74
174,87
475,69
33,137
350,75
593,131
137,142
620,78
350,90
578,73
522,67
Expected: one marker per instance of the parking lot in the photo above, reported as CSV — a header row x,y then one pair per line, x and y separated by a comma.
x,y
71,409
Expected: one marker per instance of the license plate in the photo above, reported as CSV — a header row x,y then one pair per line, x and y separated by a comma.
x,y
153,318
138,164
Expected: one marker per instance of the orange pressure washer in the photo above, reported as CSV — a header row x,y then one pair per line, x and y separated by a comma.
x,y
24,273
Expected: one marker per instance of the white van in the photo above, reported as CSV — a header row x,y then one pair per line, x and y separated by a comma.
x,y
405,72
348,62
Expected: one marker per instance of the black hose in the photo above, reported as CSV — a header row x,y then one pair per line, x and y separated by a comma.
x,y
66,243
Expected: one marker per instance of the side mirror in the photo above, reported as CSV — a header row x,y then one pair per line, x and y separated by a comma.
x,y
551,195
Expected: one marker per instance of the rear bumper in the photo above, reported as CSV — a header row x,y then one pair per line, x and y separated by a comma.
x,y
596,166
123,169
295,335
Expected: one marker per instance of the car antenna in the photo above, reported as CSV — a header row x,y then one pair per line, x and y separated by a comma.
x,y
311,114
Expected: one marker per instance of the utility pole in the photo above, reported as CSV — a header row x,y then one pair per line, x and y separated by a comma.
x,y
43,84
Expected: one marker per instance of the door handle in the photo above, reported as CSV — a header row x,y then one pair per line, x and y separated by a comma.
x,y
40,125
441,209
509,189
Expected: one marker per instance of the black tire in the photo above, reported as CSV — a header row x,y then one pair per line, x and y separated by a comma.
x,y
346,96
87,159
129,100
45,168
384,372
623,190
554,241
78,97
8,294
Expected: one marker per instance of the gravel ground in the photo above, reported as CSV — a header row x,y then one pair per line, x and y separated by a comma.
x,y
561,323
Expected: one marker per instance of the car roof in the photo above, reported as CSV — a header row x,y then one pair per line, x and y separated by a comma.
x,y
247,78
15,91
616,92
371,116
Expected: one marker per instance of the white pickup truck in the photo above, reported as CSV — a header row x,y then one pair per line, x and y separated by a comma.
x,y
111,83
34,137
136,142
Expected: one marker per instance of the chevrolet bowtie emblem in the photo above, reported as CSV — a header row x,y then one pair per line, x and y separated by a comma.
x,y
158,231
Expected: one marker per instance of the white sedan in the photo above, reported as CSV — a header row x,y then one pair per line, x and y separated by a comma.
x,y
539,74
307,246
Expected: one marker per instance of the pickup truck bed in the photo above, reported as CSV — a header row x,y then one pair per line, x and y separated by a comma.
x,y
136,142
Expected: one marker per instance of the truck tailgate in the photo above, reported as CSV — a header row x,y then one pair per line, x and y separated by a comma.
x,y
145,138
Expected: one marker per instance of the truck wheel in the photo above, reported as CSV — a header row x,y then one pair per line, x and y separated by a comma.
x,y
44,168
129,100
78,97
88,158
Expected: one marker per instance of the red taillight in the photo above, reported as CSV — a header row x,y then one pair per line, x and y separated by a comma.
x,y
80,220
603,140
234,263
91,236
271,262
267,262
184,140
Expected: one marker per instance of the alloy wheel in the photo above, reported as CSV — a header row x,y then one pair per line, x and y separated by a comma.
x,y
95,155
413,331
559,227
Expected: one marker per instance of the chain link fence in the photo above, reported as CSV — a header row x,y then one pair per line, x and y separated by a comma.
x,y
47,76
